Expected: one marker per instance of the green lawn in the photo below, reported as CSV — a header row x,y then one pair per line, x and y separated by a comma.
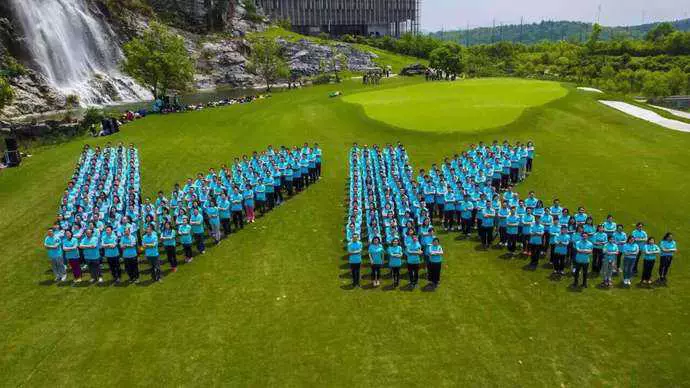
x,y
468,106
266,308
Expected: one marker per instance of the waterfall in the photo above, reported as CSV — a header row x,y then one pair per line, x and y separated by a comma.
x,y
75,50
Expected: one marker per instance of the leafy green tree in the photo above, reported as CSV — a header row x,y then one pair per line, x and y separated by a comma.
x,y
159,60
338,61
659,32
266,61
6,93
447,58
677,81
594,37
656,85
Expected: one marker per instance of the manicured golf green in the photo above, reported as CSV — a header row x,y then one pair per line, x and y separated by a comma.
x,y
463,105
268,308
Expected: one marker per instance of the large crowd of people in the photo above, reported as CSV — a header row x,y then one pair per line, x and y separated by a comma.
x,y
473,192
102,216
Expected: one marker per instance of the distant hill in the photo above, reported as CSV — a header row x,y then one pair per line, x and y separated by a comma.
x,y
548,30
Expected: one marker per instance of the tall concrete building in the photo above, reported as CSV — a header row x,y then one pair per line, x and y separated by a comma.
x,y
338,17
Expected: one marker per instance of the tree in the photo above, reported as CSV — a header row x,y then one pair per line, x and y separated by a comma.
x,y
659,32
447,58
6,93
594,37
266,61
655,85
159,60
676,81
337,61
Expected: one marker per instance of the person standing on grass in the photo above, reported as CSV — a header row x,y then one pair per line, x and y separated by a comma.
x,y
89,244
248,196
395,254
236,199
260,191
224,212
502,216
620,237
213,215
526,223
70,246
530,156
436,260
53,245
650,252
128,244
376,257
561,243
668,249
583,257
318,152
184,230
640,239
354,250
630,253
150,244
488,221
599,239
197,222
610,253
111,252
414,252
512,225
536,242
169,238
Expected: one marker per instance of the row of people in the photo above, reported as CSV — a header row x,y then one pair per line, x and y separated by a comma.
x,y
205,204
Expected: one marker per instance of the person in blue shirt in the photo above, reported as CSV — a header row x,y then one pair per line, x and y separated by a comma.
x,y
128,244
224,213
150,244
599,239
488,221
236,204
414,253
111,251
620,237
466,208
53,245
649,253
376,253
184,230
668,248
169,239
561,244
318,153
448,209
512,225
435,262
630,253
249,204
395,254
536,242
640,239
583,256
610,252
89,244
196,220
530,156
70,246
354,250
213,216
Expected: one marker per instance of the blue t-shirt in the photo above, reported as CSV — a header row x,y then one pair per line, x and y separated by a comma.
x,y
168,237
150,239
630,250
129,246
436,254
650,251
213,215
582,257
512,224
376,254
354,248
611,251
90,248
670,245
412,252
54,247
395,256
110,240
185,232
562,243
536,234
71,248
197,222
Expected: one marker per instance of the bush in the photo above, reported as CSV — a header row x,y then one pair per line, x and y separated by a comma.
x,y
322,79
71,101
92,116
252,13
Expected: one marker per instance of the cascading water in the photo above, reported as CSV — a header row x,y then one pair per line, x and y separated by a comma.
x,y
76,51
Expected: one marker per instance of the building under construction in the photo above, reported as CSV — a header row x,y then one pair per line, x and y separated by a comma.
x,y
339,17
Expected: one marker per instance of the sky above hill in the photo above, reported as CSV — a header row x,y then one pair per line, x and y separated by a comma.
x,y
455,14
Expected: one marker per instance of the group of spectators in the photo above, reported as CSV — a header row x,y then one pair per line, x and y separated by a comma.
x,y
102,215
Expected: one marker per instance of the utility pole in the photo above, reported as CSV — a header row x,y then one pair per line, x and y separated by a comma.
x,y
493,31
522,20
467,35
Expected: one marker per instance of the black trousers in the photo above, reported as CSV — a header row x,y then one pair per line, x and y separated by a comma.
x,y
271,200
238,219
512,242
514,175
664,266
597,259
487,235
505,178
435,270
529,164
580,267
288,185
155,267
115,269
94,268
132,268
187,250
354,268
278,194
647,269
413,273
448,218
395,272
318,169
172,255
376,272
225,224
502,235
312,174
558,262
466,225
535,253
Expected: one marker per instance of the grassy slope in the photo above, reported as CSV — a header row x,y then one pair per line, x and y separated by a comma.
x,y
469,106
218,321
